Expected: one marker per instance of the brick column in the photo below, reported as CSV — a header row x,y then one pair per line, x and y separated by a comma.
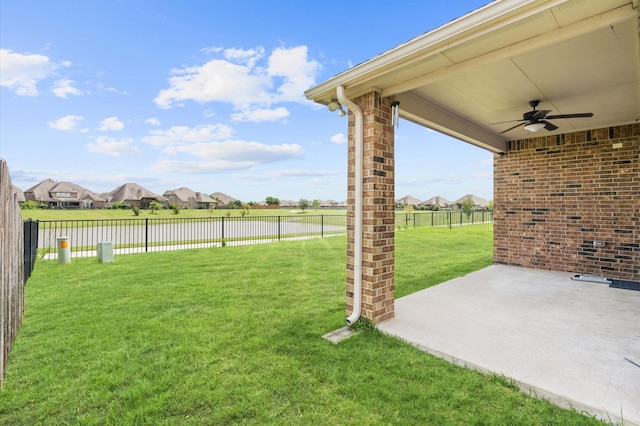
x,y
378,210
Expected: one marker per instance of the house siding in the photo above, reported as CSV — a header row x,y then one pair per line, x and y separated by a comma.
x,y
556,195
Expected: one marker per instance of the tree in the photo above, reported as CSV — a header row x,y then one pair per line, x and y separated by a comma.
x,y
303,204
272,201
490,205
316,204
467,206
154,206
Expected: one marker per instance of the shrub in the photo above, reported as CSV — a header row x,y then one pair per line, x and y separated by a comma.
x,y
120,205
30,205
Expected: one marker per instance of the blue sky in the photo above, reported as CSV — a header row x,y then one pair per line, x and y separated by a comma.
x,y
209,95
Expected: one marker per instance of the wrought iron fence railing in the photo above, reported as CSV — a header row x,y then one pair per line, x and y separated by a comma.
x,y
137,235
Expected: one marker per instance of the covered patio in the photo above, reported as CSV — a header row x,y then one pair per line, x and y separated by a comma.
x,y
575,343
552,88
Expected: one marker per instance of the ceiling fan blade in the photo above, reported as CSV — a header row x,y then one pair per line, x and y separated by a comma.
x,y
549,126
508,121
538,115
581,114
511,128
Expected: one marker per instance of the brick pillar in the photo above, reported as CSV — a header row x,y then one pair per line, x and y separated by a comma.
x,y
378,267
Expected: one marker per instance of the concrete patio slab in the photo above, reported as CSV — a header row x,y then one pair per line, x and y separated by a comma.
x,y
575,343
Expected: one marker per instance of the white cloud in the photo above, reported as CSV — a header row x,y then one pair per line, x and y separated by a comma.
x,y
296,70
152,121
64,88
339,138
258,115
21,73
179,135
217,80
245,57
241,80
240,151
215,166
66,123
287,173
212,49
113,147
482,175
111,124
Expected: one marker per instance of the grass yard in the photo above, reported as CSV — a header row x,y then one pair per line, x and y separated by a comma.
x,y
233,336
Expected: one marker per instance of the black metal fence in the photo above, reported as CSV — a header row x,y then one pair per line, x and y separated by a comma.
x,y
165,234
138,235
448,218
30,246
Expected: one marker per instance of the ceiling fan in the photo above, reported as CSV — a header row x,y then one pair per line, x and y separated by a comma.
x,y
537,119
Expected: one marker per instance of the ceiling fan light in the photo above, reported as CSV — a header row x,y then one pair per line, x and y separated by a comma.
x,y
534,127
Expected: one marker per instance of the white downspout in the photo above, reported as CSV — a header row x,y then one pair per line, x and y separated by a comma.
x,y
357,267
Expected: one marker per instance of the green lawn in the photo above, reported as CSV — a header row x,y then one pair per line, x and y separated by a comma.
x,y
233,336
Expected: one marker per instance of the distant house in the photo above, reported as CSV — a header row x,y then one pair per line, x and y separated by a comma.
x,y
478,203
19,194
221,200
331,204
408,200
185,198
64,195
439,201
135,196
288,203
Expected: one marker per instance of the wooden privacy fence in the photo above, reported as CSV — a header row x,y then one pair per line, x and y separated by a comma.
x,y
11,266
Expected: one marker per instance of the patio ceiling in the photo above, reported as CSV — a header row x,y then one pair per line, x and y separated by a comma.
x,y
573,55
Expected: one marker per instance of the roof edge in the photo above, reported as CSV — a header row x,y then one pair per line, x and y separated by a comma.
x,y
488,18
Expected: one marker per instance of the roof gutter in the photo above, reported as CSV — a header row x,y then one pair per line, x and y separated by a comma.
x,y
359,163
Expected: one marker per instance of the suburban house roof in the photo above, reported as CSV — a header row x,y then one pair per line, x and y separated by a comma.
x,y
409,200
40,191
185,194
46,191
485,67
224,198
131,192
477,201
19,194
436,201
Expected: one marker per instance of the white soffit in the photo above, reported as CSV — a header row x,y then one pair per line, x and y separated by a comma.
x,y
574,56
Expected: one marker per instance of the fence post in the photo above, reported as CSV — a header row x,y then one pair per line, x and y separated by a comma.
x,y
30,246
146,234
278,228
450,219
222,237
321,226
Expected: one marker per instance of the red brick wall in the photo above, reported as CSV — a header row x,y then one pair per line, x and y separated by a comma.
x,y
555,195
378,212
